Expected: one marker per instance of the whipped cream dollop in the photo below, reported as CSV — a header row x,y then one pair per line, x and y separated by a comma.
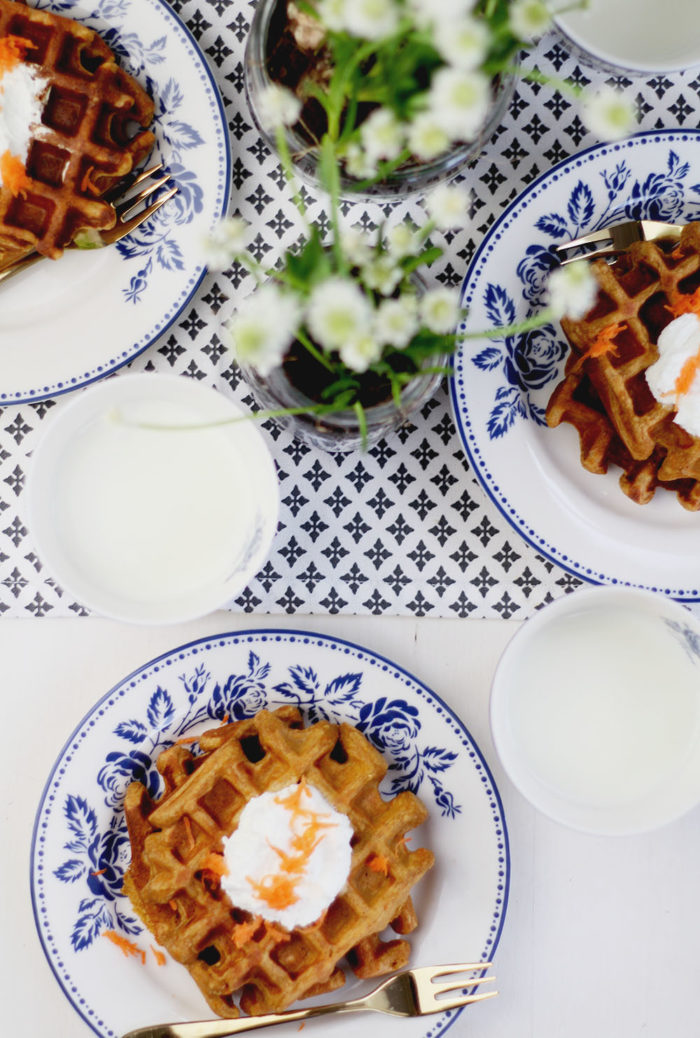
x,y
22,95
289,856
674,379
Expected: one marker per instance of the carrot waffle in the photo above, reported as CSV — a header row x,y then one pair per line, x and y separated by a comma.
x,y
84,144
175,885
605,394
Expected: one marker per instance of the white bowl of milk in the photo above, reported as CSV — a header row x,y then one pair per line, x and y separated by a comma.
x,y
595,710
643,36
152,498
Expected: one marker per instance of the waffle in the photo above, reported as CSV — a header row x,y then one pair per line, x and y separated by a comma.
x,y
605,395
180,900
85,145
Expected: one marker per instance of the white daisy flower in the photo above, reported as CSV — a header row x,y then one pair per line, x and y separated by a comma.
x,y
337,312
448,206
278,106
462,43
459,101
572,290
528,19
226,241
396,321
372,19
357,164
356,245
402,240
333,14
382,274
382,135
426,138
430,12
358,352
264,327
607,113
439,310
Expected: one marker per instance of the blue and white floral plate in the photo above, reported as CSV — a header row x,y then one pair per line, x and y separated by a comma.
x,y
68,323
80,848
501,387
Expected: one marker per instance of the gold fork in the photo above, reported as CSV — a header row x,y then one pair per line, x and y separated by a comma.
x,y
411,993
617,238
125,222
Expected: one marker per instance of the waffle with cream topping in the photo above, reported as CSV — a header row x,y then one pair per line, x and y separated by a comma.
x,y
86,142
604,393
179,898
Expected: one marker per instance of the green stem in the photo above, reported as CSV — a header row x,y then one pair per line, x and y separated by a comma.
x,y
288,169
535,76
313,350
536,321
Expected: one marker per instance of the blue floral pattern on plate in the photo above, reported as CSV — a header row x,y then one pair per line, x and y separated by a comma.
x,y
501,386
81,846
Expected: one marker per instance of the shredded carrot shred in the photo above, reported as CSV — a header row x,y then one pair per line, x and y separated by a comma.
x,y
276,933
86,184
681,303
188,830
378,863
687,375
225,719
98,872
603,342
215,863
186,740
242,932
159,956
173,905
125,946
13,49
13,174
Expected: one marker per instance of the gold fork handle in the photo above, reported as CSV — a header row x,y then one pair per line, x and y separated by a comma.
x,y
223,1028
23,264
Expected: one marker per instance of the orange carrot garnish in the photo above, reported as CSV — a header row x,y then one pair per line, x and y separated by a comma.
x,y
13,49
188,831
13,174
215,863
603,342
99,872
378,863
159,956
681,303
186,740
242,932
125,946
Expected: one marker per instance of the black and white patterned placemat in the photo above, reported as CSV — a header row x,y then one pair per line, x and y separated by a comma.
x,y
404,529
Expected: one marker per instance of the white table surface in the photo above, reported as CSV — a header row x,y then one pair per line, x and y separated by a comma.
x,y
601,936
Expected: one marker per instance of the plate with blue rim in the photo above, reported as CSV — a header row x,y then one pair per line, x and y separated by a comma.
x,y
500,387
80,847
68,322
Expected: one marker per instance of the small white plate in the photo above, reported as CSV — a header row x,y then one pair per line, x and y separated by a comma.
x,y
81,850
152,498
66,323
595,710
500,387
633,35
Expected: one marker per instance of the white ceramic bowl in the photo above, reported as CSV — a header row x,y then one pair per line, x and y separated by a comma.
x,y
643,36
595,710
145,511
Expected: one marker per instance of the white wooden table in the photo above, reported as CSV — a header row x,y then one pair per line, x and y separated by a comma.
x,y
601,936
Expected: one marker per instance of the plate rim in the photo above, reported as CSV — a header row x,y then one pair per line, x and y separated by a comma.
x,y
254,634
475,466
51,393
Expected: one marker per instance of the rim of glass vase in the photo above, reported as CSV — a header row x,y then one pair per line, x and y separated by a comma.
x,y
408,179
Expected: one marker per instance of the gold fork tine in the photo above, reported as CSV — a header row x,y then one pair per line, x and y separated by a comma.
x,y
131,203
465,1000
449,985
586,239
124,227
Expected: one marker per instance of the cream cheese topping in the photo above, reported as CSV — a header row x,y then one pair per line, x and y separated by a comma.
x,y
674,379
289,856
21,104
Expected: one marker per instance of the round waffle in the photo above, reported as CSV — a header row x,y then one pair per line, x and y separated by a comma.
x,y
86,142
605,395
180,899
